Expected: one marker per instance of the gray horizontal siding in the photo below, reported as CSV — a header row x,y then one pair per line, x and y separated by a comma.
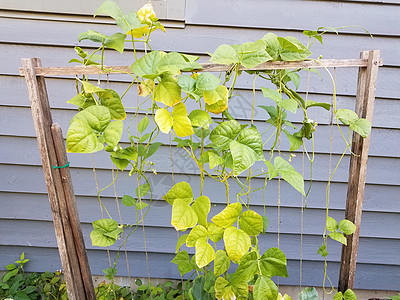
x,y
59,90
380,170
313,14
158,216
165,9
198,39
14,181
25,217
38,234
47,258
380,136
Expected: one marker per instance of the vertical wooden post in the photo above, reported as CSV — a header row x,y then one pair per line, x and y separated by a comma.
x,y
358,167
69,255
73,212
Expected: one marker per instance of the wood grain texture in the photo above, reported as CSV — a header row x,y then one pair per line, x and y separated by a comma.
x,y
358,168
346,78
82,263
42,126
207,67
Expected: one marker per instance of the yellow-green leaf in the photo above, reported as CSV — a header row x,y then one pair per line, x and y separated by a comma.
x,y
213,96
223,291
97,117
164,120
113,132
265,289
200,118
168,91
146,88
181,190
237,243
183,216
221,263
289,174
228,216
202,207
347,227
181,122
81,139
197,232
217,107
273,263
224,54
181,241
204,253
215,232
113,103
251,222
105,232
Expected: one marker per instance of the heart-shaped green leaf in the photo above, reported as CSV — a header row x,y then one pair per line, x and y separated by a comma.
x,y
113,132
105,232
273,263
183,215
204,253
225,55
237,243
81,139
265,288
289,174
197,232
221,263
202,207
228,216
181,190
225,133
251,222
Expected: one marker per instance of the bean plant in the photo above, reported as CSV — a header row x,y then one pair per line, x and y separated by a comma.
x,y
222,148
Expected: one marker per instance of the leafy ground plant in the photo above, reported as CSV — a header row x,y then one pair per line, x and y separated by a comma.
x,y
177,98
18,285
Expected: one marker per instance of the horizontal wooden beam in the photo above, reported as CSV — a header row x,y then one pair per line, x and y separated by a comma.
x,y
207,67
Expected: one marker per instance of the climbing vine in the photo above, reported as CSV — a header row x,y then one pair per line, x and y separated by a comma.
x,y
223,149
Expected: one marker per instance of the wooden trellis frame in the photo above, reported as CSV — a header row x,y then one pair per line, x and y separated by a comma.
x,y
62,200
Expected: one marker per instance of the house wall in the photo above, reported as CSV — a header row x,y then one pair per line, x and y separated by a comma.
x,y
49,30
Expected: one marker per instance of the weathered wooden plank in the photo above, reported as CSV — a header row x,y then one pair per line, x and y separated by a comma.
x,y
345,77
207,67
72,212
42,120
283,14
358,168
